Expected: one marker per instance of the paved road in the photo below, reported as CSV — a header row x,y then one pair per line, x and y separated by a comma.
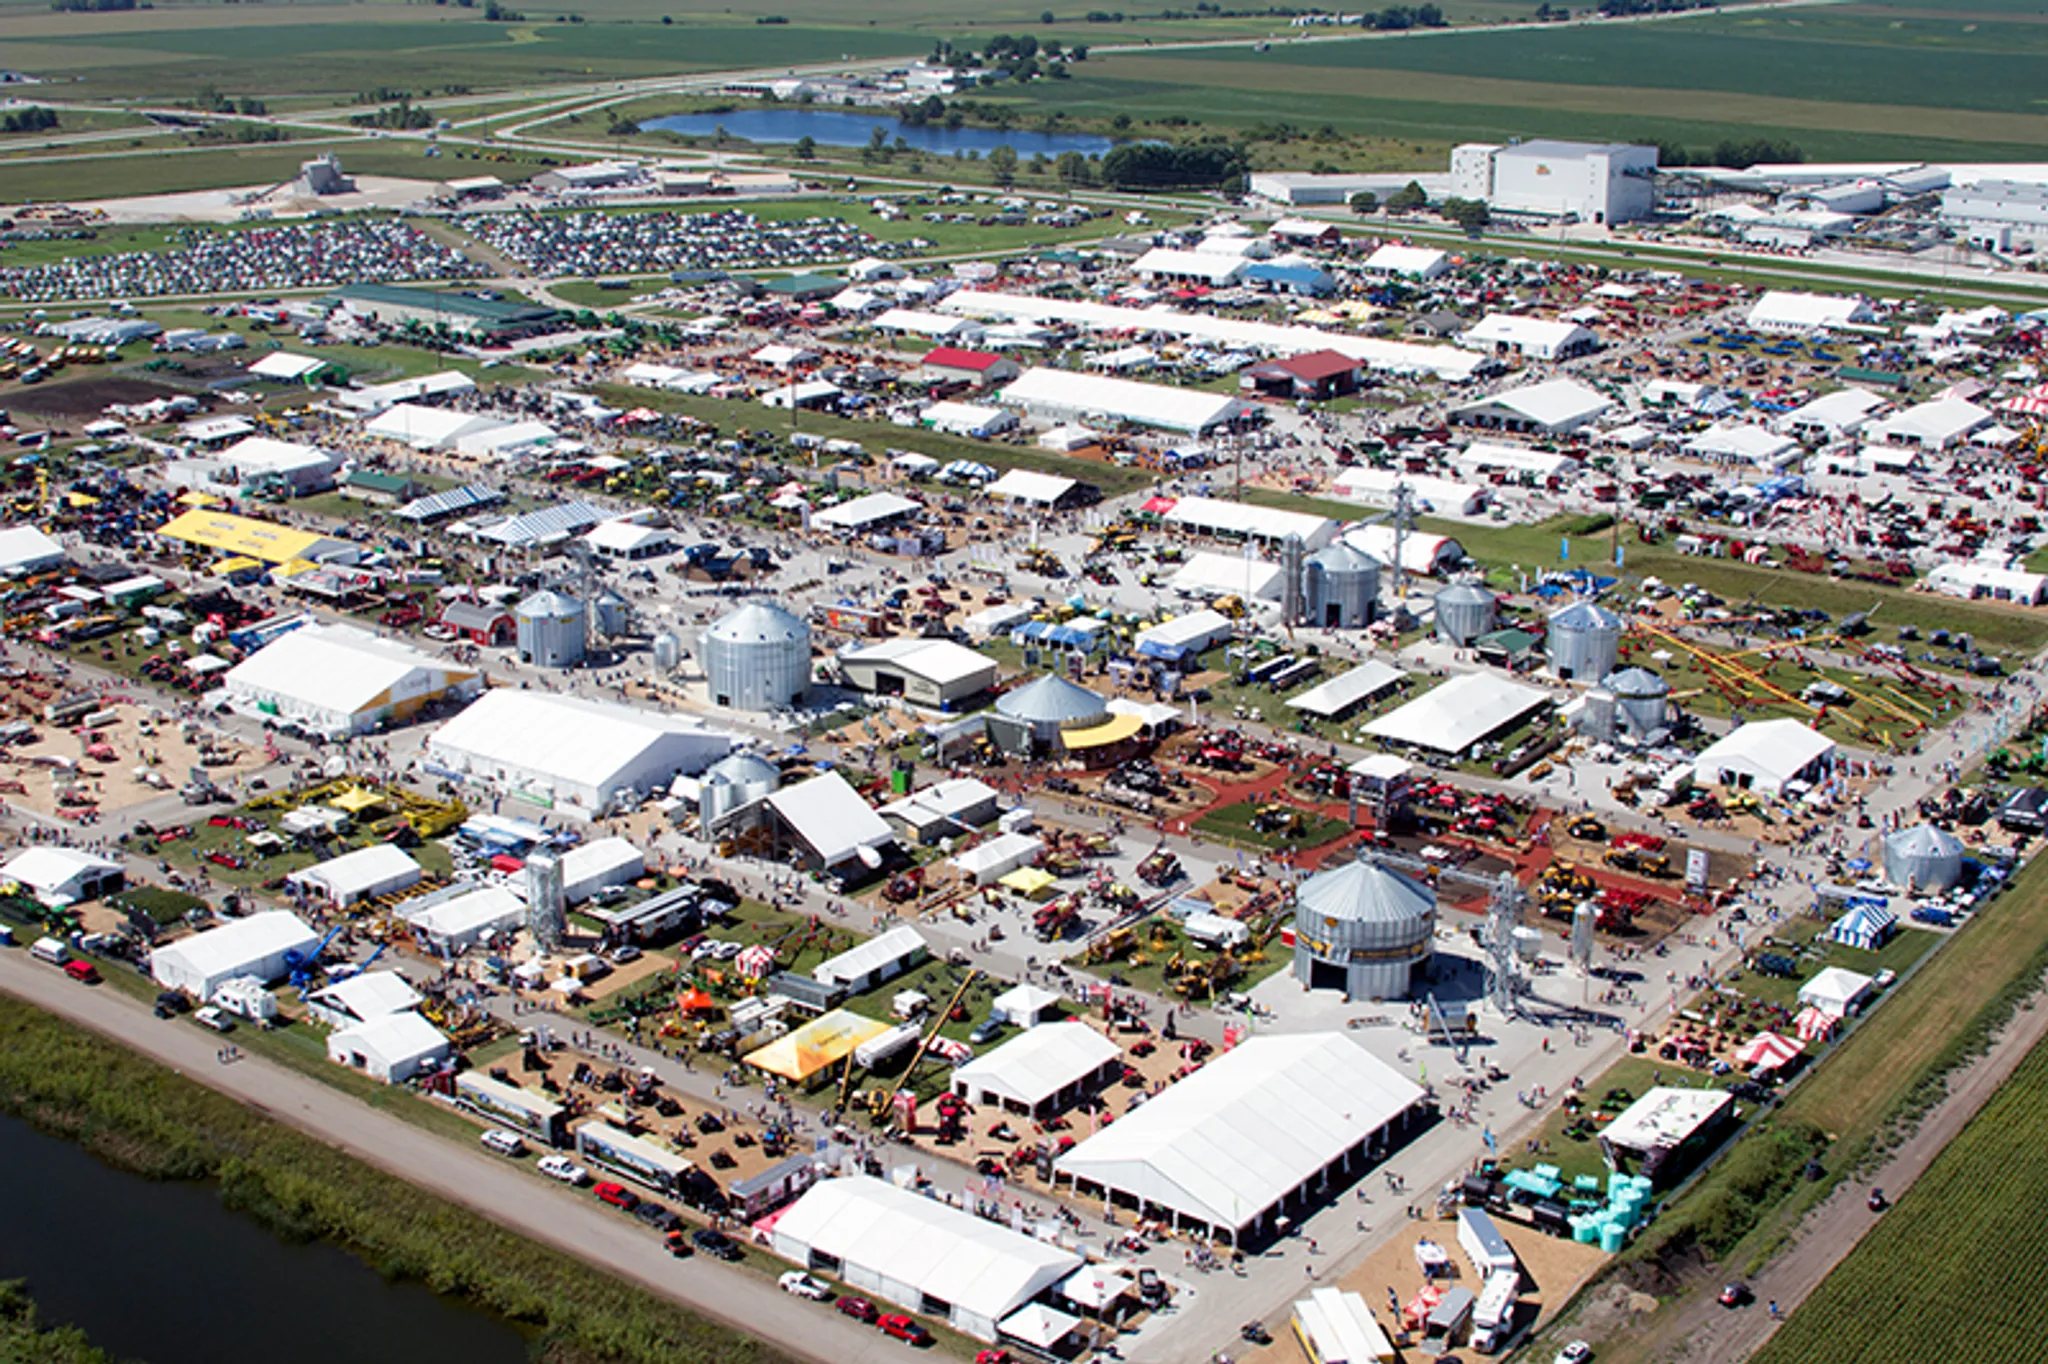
x,y
483,1183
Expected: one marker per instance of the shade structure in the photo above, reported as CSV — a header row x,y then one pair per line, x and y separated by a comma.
x,y
1766,1051
1115,730
819,1044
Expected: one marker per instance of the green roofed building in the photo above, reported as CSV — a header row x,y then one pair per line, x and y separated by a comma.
x,y
498,319
802,288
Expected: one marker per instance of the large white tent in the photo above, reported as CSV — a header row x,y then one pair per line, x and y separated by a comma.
x,y
832,823
1041,1070
568,752
909,1249
1063,395
1272,525
393,1048
460,921
1453,717
1227,575
255,946
1765,755
1348,689
363,874
1230,1145
341,680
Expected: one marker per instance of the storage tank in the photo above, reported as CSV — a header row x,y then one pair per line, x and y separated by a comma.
x,y
1584,641
1597,715
551,629
1341,588
1923,859
614,616
1464,612
547,905
758,657
668,651
1364,929
735,780
1642,702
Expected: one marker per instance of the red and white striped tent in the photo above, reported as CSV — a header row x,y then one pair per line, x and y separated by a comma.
x,y
2032,403
1766,1051
1815,1023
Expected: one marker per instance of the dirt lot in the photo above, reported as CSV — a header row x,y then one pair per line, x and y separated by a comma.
x,y
143,740
1553,1268
84,397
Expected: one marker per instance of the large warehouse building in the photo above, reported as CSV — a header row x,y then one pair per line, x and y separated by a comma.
x,y
1062,396
1592,182
339,680
927,672
1260,1132
568,753
919,1253
467,315
256,946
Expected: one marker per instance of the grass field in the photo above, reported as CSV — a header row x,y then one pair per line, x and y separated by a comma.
x,y
167,171
1896,1298
1233,824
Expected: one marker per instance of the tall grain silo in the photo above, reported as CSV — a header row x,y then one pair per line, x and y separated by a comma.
x,y
758,657
1341,588
552,629
1363,928
1464,612
1584,641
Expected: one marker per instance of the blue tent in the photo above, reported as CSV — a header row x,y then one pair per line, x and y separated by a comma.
x,y
1865,926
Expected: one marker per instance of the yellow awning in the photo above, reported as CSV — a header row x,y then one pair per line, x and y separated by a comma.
x,y
196,499
231,534
239,563
357,799
1029,881
1114,730
81,499
295,568
817,1045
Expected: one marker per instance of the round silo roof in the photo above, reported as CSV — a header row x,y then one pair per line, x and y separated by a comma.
x,y
1366,892
1924,840
1584,615
743,769
1051,700
1634,682
1465,594
548,603
757,622
1338,557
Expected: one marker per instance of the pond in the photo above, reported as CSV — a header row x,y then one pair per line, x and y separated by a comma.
x,y
846,128
163,1273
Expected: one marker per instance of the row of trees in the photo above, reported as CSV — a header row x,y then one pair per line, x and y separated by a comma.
x,y
1732,153
34,119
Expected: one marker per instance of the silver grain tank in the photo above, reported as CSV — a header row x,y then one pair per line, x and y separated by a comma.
x,y
758,657
547,906
1585,640
552,627
1364,929
733,781
614,616
1642,702
1341,588
1597,715
1464,612
1923,859
668,651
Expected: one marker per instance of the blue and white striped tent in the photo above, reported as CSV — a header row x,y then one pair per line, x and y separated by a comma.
x,y
1866,926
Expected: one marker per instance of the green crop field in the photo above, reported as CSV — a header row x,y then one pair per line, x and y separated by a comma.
x,y
1844,81
1896,1298
161,172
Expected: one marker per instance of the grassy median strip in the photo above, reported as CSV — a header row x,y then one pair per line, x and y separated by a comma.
x,y
144,1118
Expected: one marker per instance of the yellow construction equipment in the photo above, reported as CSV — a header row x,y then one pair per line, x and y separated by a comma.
x,y
888,1100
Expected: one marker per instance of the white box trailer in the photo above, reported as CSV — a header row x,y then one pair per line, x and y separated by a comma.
x,y
1484,1246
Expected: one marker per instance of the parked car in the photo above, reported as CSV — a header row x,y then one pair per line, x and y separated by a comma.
x,y
211,1017
562,1168
625,953
1578,1352
1734,1295
618,1195
84,972
500,1141
678,1244
802,1285
906,1329
860,1309
656,1216
716,1243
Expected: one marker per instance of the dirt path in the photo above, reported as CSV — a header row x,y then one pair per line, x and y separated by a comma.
x,y
461,1173
1703,1330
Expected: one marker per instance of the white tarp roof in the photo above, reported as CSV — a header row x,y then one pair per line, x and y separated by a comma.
x,y
1932,424
1395,357
1199,628
339,670
1664,1118
1342,1328
1248,1128
1835,990
1215,515
366,871
44,867
866,510
24,548
1406,260
1065,393
999,856
231,947
572,740
1362,483
1458,714
1368,679
1026,485
1741,440
478,912
829,815
284,365
862,959
1557,404
1791,310
427,428
940,662
1227,575
983,1269
1771,751
1037,1063
1533,335
368,996
1493,454
1843,410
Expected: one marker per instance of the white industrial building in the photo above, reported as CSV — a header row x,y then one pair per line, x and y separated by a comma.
x,y
1459,713
599,865
1590,182
1260,1132
1740,442
927,672
1938,425
1841,413
828,827
299,468
428,428
339,680
1194,632
1491,456
1035,489
977,420
919,1253
1379,487
1208,577
870,511
1059,395
568,753
1973,579
1215,269
56,875
393,1048
1042,1071
1766,756
1789,310
945,809
364,874
877,961
359,999
1552,408
256,947
1996,215
1532,338
453,925
1415,263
